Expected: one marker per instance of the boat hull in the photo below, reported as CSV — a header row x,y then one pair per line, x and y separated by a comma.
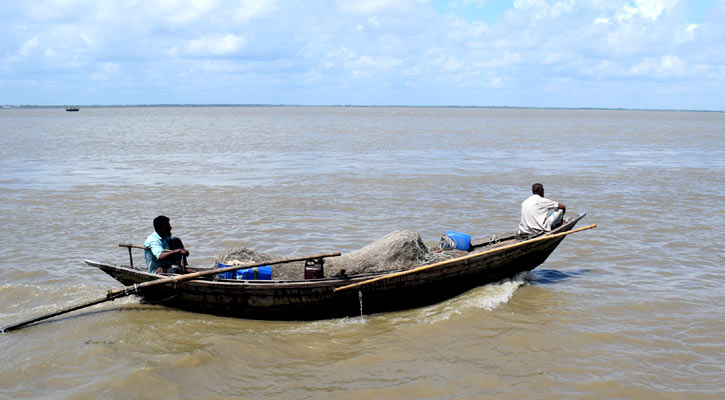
x,y
317,298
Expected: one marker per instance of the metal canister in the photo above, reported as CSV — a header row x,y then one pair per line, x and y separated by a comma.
x,y
314,269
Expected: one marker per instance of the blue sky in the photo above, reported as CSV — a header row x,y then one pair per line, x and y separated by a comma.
x,y
654,54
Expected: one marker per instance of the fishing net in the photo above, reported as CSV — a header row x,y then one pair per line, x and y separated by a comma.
x,y
396,250
243,254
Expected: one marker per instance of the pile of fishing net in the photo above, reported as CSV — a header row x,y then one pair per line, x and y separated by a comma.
x,y
397,250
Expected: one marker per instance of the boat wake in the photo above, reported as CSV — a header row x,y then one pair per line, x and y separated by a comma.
x,y
487,297
493,295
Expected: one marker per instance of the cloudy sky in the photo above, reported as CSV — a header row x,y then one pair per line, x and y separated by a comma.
x,y
661,54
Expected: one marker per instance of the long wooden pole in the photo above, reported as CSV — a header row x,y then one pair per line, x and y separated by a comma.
x,y
134,289
438,264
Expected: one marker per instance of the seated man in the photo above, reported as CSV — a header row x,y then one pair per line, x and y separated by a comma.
x,y
539,214
165,253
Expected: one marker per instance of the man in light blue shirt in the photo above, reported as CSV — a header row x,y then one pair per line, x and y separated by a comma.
x,y
164,253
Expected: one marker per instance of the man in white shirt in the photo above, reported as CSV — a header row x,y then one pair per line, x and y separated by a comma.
x,y
539,214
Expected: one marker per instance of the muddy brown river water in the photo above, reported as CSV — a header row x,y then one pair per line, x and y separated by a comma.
x,y
632,309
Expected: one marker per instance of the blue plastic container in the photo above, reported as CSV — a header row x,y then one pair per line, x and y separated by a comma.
x,y
462,240
263,273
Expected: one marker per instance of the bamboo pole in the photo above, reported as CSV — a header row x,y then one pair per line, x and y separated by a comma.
x,y
474,255
135,288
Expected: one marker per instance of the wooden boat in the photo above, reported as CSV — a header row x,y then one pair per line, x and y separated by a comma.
x,y
489,260
72,108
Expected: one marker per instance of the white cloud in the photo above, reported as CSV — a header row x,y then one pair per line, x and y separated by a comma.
x,y
174,12
364,44
499,61
367,66
465,31
362,6
543,9
221,66
216,45
602,68
367,7
687,34
252,9
412,71
378,63
338,58
466,3
447,63
50,10
106,71
25,50
648,10
665,67
28,46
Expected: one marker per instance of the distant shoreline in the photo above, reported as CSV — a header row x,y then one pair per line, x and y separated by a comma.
x,y
31,106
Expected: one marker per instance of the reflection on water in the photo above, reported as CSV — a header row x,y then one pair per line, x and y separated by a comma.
x,y
628,310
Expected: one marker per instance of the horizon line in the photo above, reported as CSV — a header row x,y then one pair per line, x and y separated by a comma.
x,y
11,106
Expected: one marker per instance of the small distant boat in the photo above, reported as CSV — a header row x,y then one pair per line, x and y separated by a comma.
x,y
72,108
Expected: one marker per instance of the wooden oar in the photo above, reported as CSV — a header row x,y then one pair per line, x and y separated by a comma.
x,y
134,289
438,264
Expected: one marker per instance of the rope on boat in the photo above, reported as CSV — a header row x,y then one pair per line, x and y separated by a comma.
x,y
126,291
173,278
135,290
162,300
